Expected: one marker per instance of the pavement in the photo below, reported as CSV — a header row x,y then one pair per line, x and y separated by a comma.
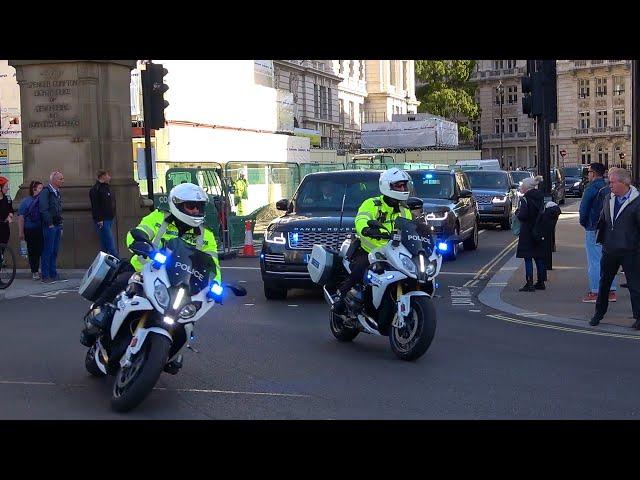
x,y
23,285
567,284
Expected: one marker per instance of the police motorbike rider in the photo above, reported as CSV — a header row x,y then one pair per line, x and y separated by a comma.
x,y
394,185
185,219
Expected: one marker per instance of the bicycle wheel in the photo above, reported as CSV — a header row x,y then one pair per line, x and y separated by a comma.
x,y
7,266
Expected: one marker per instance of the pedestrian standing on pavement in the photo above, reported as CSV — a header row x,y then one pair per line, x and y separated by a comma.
x,y
6,214
619,234
51,213
529,247
590,209
30,226
102,211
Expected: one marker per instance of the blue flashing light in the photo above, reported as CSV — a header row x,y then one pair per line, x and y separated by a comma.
x,y
216,289
443,247
160,258
294,237
262,255
428,175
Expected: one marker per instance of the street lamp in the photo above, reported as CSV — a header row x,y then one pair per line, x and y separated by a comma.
x,y
500,89
406,99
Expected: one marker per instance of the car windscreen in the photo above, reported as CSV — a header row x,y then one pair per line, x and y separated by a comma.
x,y
489,180
572,172
519,176
327,193
432,184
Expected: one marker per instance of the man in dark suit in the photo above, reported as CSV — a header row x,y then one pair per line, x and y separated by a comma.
x,y
619,234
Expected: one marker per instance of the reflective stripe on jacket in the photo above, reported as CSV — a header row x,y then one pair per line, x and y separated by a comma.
x,y
376,208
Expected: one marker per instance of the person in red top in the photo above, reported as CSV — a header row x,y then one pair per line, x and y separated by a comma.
x,y
6,210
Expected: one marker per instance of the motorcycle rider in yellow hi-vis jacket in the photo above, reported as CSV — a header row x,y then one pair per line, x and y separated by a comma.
x,y
185,219
395,185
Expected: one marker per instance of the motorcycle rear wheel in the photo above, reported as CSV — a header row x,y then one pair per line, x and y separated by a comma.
x,y
134,383
339,330
412,341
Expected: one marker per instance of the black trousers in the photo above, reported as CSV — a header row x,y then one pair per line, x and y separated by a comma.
x,y
358,265
609,266
119,283
34,239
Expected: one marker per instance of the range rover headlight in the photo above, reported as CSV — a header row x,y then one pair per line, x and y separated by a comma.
x,y
275,237
499,199
437,216
577,184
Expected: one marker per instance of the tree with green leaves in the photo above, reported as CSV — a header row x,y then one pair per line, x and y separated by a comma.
x,y
445,89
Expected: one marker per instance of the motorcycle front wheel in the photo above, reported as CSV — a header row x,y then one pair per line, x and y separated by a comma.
x,y
135,382
412,341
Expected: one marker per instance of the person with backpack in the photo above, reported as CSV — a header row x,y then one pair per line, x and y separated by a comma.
x,y
531,245
30,226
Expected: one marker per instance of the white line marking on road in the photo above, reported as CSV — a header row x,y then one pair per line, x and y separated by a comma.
x,y
533,314
564,329
457,273
242,281
16,382
481,231
249,304
475,311
242,268
494,261
231,392
292,305
497,284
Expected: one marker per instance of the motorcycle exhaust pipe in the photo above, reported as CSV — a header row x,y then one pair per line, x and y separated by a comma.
x,y
327,296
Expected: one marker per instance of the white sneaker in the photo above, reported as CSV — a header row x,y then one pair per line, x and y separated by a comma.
x,y
35,276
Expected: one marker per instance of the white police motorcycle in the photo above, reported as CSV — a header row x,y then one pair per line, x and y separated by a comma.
x,y
154,316
396,297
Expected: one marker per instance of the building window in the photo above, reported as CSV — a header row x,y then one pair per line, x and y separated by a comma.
x,y
535,127
601,119
330,105
585,120
341,109
585,155
341,67
603,155
392,72
362,69
511,63
352,112
499,98
583,88
513,124
316,101
405,80
601,87
618,118
617,151
498,64
618,86
497,124
512,96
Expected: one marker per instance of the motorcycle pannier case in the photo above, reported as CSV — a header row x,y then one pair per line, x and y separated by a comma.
x,y
99,274
321,264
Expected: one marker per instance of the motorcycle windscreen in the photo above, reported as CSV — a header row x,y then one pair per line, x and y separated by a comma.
x,y
415,235
189,266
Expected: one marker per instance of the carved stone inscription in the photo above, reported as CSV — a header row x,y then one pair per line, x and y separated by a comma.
x,y
52,97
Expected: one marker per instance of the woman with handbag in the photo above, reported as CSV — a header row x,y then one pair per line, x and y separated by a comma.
x,y
30,227
530,241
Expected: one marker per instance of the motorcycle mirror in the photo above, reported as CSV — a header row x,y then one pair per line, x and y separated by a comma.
x,y
237,290
414,203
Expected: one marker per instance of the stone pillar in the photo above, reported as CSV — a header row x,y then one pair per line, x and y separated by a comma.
x,y
76,118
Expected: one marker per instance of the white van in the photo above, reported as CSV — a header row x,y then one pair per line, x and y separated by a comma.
x,y
489,164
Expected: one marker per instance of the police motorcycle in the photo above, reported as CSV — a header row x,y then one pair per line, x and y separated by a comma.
x,y
395,299
154,316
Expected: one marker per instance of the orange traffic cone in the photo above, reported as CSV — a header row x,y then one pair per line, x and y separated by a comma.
x,y
248,250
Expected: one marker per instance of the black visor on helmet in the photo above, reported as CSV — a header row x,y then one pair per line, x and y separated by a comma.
x,y
191,208
401,186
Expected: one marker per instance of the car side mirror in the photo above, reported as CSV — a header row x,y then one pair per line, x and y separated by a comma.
x,y
414,203
282,204
464,193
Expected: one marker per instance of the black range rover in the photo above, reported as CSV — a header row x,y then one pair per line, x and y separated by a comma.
x,y
322,210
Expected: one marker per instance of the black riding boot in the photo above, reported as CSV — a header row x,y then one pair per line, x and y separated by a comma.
x,y
540,285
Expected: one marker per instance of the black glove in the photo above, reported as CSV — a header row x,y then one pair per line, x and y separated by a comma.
x,y
374,233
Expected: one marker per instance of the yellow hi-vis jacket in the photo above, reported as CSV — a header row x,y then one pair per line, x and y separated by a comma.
x,y
152,225
376,208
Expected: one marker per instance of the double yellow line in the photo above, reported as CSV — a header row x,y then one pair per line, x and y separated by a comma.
x,y
482,273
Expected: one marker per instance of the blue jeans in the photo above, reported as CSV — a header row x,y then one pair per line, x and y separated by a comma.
x,y
540,267
50,251
594,255
107,243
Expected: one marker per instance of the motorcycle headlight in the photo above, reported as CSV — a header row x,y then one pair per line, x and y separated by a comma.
x,y
189,310
161,293
275,237
408,264
577,184
431,269
499,199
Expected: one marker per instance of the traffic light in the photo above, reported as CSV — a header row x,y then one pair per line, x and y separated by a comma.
x,y
532,91
539,86
549,79
153,85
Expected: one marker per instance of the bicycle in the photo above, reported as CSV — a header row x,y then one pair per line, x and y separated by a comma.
x,y
7,266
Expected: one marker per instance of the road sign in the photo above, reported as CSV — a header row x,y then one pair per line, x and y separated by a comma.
x,y
563,153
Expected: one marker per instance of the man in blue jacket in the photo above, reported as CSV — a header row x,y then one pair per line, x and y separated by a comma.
x,y
590,208
51,215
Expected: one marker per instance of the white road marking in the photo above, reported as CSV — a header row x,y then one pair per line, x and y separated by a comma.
x,y
475,311
482,273
457,273
533,314
231,392
242,281
564,329
249,304
292,305
481,231
16,382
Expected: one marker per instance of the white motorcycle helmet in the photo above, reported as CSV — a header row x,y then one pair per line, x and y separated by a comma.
x,y
187,202
395,183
